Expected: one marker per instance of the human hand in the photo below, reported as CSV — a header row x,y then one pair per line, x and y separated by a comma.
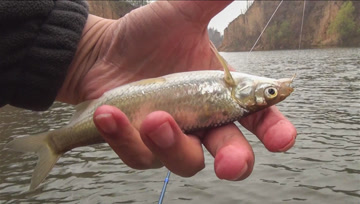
x,y
158,39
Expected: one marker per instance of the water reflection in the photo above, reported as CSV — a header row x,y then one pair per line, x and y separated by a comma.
x,y
323,166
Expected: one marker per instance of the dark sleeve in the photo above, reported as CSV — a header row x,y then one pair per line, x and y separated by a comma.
x,y
38,40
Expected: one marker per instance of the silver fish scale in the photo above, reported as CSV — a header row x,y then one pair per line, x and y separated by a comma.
x,y
195,99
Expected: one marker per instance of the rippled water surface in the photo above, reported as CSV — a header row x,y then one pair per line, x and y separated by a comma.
x,y
323,166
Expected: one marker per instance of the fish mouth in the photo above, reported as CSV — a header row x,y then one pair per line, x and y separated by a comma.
x,y
286,86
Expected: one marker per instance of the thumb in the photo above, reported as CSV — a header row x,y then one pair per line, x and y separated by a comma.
x,y
201,11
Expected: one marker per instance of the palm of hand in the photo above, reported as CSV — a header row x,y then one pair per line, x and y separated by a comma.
x,y
146,43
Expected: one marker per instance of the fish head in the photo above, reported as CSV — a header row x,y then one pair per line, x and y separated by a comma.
x,y
260,92
271,91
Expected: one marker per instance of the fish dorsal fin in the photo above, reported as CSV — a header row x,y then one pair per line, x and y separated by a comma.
x,y
81,110
157,80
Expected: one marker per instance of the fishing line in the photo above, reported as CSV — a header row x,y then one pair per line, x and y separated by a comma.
x,y
302,24
262,32
300,36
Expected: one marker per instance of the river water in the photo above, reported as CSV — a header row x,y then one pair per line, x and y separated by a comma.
x,y
322,167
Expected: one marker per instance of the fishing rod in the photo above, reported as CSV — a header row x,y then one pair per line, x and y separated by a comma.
x,y
166,181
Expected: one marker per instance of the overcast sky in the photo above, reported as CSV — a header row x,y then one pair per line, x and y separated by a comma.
x,y
222,19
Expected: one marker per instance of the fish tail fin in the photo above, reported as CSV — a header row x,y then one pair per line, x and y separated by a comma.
x,y
47,156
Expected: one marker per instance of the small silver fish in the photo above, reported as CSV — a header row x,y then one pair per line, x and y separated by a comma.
x,y
196,100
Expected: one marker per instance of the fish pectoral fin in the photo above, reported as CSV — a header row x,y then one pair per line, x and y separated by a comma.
x,y
245,102
227,74
47,156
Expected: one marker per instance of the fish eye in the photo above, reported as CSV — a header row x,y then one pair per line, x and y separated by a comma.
x,y
271,93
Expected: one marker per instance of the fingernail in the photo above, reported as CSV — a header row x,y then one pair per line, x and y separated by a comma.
x,y
106,123
163,136
241,173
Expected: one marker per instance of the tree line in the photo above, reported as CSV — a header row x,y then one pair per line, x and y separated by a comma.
x,y
345,25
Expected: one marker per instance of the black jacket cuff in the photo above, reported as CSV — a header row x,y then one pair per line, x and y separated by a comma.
x,y
38,40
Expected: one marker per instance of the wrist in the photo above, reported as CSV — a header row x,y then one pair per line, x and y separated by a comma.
x,y
89,50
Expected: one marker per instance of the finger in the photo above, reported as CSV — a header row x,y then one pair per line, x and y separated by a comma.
x,y
123,138
182,154
272,128
234,158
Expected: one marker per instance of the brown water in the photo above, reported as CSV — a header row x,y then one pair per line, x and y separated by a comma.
x,y
323,166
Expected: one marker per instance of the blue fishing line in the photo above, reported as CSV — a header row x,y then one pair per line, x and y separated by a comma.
x,y
166,181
